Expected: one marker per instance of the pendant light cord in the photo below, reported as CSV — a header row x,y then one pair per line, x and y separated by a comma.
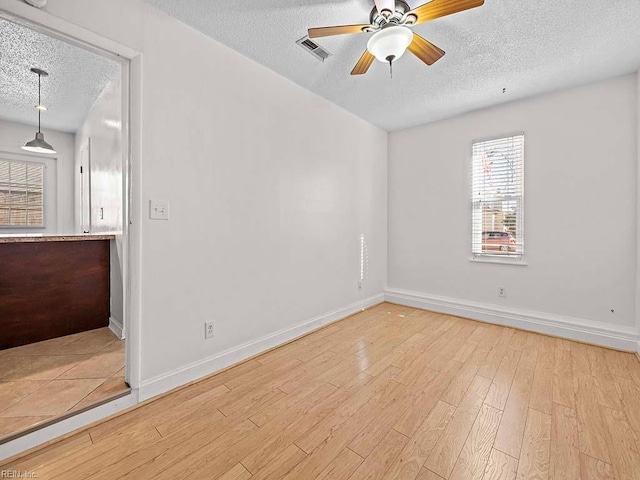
x,y
39,103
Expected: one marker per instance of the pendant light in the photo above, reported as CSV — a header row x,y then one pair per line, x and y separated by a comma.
x,y
38,145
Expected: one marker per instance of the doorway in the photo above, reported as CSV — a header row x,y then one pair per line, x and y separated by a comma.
x,y
86,369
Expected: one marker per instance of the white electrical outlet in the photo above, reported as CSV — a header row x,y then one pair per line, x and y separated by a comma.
x,y
208,330
158,209
502,292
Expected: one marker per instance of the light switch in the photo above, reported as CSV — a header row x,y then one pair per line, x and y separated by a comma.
x,y
158,209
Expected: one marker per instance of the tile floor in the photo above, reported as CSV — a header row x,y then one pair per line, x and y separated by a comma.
x,y
44,380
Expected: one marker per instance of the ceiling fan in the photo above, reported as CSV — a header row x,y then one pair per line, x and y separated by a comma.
x,y
389,22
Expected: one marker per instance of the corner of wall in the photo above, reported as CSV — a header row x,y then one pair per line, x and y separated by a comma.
x,y
638,211
116,328
386,275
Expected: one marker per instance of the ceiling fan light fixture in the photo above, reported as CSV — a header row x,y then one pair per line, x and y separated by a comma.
x,y
390,43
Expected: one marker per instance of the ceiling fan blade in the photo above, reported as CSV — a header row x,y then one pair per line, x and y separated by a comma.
x,y
425,50
338,30
385,5
441,8
363,64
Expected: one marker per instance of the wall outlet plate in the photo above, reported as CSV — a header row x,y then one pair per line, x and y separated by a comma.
x,y
502,292
209,331
158,209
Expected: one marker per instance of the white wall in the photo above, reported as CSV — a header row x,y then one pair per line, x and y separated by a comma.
x,y
580,205
58,201
102,128
269,187
118,20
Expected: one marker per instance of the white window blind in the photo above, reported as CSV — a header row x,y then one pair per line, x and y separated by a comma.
x,y
21,194
497,179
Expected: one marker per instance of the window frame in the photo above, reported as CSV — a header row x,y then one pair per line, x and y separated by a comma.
x,y
6,156
518,260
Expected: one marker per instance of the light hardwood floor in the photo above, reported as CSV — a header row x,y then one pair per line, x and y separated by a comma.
x,y
392,392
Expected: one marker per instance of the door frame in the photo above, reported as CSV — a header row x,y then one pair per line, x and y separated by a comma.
x,y
131,61
84,183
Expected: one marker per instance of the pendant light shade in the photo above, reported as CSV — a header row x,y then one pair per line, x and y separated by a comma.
x,y
390,43
38,144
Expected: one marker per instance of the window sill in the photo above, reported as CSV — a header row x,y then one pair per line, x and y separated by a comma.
x,y
500,261
23,227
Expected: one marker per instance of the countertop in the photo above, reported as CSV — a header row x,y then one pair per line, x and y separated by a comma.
x,y
18,238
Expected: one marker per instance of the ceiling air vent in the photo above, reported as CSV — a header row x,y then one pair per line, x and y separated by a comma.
x,y
313,48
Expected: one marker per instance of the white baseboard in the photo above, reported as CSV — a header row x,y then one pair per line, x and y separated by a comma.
x,y
46,434
207,366
116,327
589,331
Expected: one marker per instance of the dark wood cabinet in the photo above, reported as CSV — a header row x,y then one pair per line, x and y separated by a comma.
x,y
49,289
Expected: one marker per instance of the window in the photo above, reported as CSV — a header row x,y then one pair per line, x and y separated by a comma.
x,y
21,194
497,179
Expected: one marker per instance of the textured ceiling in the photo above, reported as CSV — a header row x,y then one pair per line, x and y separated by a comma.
x,y
526,47
76,78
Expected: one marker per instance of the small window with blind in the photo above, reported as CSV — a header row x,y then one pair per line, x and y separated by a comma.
x,y
21,194
497,180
